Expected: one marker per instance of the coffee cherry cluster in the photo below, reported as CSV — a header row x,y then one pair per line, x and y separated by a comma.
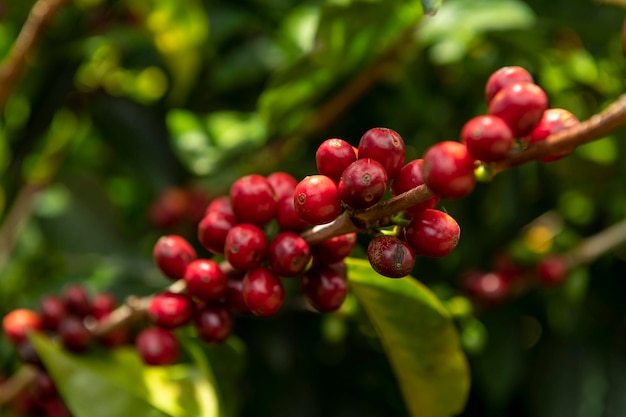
x,y
67,317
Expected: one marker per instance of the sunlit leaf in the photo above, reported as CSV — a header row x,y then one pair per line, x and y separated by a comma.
x,y
419,338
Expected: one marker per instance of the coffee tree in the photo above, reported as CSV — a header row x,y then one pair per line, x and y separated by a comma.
x,y
325,208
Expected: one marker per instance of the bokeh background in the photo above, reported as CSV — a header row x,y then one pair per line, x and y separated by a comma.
x,y
133,114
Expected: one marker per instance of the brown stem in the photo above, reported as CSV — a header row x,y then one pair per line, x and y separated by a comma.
x,y
14,65
18,383
595,246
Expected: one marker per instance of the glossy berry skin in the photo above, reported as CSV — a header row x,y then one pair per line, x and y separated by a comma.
x,y
552,121
385,146
157,346
324,287
288,254
390,256
77,300
282,184
448,170
552,270
222,205
316,199
333,156
52,310
362,184
170,310
253,200
488,138
287,217
234,297
102,305
18,323
410,176
74,335
245,246
213,228
503,77
433,233
263,292
520,105
172,254
334,249
205,280
214,323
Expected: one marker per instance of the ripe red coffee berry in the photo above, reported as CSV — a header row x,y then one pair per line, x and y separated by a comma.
x,y
74,335
390,256
433,233
263,292
488,138
19,322
205,280
333,156
77,300
316,199
410,176
552,121
102,305
170,310
287,217
52,310
282,184
385,146
214,323
221,204
552,270
448,170
520,105
245,246
489,288
172,254
213,228
334,249
324,287
362,184
234,297
505,76
157,346
288,254
253,200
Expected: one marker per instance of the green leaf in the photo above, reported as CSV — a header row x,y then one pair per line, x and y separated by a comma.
x,y
117,383
419,338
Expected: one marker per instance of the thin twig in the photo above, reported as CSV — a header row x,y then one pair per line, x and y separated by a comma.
x,y
600,243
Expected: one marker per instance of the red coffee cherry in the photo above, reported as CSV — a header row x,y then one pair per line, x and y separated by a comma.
x,y
157,346
43,386
287,217
19,322
214,323
410,176
283,184
172,254
222,205
253,200
77,300
169,208
448,170
74,335
102,305
505,76
205,280
263,292
52,310
520,105
385,146
245,246
288,254
553,270
234,297
324,287
433,233
488,138
316,199
333,156
334,249
213,228
489,288
390,256
170,310
552,121
362,184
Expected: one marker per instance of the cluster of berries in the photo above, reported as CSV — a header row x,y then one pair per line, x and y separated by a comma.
x,y
68,317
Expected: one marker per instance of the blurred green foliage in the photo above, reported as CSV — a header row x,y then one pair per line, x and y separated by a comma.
x,y
125,99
